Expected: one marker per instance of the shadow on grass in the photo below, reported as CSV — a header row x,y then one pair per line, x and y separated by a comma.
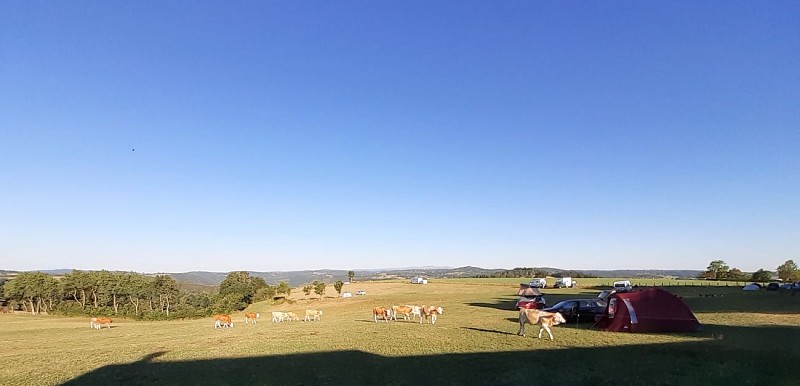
x,y
729,355
487,330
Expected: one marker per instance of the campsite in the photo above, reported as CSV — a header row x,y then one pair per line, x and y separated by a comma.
x,y
743,341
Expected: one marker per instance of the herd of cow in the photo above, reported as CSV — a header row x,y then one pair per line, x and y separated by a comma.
x,y
545,320
409,312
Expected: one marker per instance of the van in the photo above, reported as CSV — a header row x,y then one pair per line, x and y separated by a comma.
x,y
623,286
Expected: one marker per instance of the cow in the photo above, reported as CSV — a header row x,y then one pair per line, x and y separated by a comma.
x,y
292,316
403,310
222,321
278,316
97,323
6,310
313,315
416,312
431,312
248,316
544,319
383,312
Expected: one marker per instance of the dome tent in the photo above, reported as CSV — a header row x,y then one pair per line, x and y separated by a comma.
x,y
649,310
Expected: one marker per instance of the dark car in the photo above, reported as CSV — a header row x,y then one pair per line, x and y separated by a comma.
x,y
773,287
579,310
530,302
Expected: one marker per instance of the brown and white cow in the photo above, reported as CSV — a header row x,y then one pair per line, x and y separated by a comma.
x,y
543,319
248,316
431,312
222,320
403,310
98,323
313,315
382,312
292,316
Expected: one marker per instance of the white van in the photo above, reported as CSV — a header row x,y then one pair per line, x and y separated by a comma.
x,y
623,286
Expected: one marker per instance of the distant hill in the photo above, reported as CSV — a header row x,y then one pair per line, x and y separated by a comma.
x,y
207,279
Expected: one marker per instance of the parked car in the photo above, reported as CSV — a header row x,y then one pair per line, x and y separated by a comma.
x,y
361,292
787,286
531,302
773,287
579,310
538,282
565,282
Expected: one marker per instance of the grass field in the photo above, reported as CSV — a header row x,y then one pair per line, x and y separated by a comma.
x,y
748,338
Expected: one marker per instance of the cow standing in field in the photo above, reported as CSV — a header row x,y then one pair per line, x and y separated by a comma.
x,y
382,312
416,312
98,323
543,319
248,316
403,310
223,321
313,315
292,316
278,317
431,313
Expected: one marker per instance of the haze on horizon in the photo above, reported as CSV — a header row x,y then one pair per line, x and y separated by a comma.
x,y
277,136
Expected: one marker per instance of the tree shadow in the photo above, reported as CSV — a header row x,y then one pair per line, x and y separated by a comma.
x,y
722,355
505,304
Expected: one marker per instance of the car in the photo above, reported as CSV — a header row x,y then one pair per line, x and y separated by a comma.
x,y
361,292
530,302
579,310
787,286
773,287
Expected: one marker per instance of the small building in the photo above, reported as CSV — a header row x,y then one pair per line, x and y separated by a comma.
x,y
347,294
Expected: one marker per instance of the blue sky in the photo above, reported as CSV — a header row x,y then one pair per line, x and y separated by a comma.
x,y
303,135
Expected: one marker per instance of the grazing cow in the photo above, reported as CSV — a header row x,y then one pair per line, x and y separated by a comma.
x,y
292,316
383,312
431,312
278,316
313,315
222,321
416,312
403,310
544,319
97,323
248,316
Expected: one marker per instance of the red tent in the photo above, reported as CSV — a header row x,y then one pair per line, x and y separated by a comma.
x,y
649,310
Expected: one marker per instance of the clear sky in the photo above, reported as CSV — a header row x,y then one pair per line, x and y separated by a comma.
x,y
286,135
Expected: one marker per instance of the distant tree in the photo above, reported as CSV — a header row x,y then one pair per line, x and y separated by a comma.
x,y
736,274
717,269
307,289
351,275
239,284
788,271
319,288
283,288
338,286
761,276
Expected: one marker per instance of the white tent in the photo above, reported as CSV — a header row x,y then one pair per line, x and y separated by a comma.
x,y
750,287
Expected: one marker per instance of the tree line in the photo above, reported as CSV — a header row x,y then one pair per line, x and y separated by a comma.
x,y
534,272
719,270
132,294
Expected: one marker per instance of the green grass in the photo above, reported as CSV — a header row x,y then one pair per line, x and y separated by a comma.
x,y
748,338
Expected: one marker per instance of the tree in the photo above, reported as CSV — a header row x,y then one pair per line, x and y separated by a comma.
x,y
283,288
351,275
319,288
736,274
761,276
307,289
788,271
717,269
338,286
